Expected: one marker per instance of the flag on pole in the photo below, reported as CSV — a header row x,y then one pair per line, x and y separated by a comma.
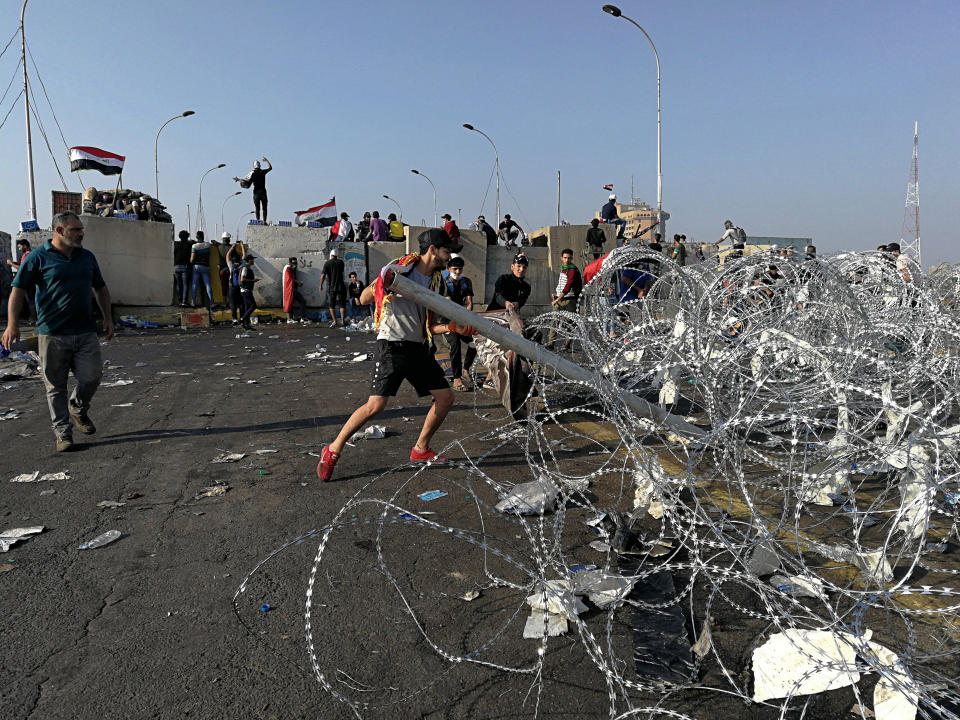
x,y
324,214
91,158
608,187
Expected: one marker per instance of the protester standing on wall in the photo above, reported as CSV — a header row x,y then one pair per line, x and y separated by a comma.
x,y
596,238
257,179
66,278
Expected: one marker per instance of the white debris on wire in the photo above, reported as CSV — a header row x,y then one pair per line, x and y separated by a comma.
x,y
829,392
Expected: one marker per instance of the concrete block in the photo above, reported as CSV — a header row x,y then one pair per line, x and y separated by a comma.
x,y
277,241
135,258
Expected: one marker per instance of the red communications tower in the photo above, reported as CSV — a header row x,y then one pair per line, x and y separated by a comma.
x,y
910,230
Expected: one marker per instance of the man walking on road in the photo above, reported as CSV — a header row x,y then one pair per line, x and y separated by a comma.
x,y
336,287
403,348
65,277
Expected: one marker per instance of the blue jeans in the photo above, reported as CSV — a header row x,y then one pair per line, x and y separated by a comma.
x,y
621,225
180,283
202,271
357,310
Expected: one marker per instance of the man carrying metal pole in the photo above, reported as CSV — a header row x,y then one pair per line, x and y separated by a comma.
x,y
404,328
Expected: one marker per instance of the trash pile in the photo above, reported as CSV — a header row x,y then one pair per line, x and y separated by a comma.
x,y
801,544
19,365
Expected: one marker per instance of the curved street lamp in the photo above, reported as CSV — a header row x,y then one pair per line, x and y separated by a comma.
x,y
223,205
251,212
496,154
615,11
417,172
395,203
200,199
156,146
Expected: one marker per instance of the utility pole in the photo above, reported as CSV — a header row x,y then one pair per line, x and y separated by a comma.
x,y
26,105
910,230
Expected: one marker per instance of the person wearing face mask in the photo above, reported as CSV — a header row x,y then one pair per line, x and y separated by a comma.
x,y
257,179
66,279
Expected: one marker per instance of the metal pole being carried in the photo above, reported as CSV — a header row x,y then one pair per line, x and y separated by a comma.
x,y
534,351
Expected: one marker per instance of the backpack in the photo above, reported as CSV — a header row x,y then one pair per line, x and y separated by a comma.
x,y
244,183
741,235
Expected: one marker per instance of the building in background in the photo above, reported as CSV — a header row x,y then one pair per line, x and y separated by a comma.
x,y
639,216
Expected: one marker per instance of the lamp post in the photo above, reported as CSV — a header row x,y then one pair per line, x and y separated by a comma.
x,y
615,11
239,219
395,203
26,104
496,154
200,199
223,205
417,172
156,147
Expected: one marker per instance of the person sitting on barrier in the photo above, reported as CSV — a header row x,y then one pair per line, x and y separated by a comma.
x,y
608,213
379,230
510,232
396,228
403,351
487,229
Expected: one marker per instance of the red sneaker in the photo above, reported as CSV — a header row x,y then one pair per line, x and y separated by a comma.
x,y
427,455
328,461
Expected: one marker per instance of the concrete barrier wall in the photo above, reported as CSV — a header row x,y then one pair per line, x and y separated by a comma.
x,y
575,238
135,257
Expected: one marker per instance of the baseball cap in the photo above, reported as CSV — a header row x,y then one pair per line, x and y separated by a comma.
x,y
333,253
438,238
446,216
521,259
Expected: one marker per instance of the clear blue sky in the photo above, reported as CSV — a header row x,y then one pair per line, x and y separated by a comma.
x,y
790,118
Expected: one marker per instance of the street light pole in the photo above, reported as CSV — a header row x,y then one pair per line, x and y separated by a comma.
x,y
615,11
496,154
26,104
200,199
223,205
395,203
417,172
238,223
156,147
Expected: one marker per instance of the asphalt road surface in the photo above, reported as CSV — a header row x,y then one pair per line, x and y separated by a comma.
x,y
146,627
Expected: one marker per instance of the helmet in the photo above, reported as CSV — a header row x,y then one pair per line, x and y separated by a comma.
x,y
225,236
613,196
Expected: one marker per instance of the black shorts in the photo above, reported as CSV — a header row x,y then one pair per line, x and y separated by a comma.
x,y
337,297
395,362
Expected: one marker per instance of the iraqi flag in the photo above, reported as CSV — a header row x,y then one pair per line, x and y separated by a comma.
x,y
608,187
90,158
325,214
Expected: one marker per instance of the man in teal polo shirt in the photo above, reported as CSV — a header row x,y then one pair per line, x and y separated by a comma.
x,y
65,278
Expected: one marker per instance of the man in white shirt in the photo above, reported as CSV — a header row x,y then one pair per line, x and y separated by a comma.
x,y
346,233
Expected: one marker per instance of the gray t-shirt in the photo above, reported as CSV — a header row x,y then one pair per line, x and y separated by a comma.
x,y
403,319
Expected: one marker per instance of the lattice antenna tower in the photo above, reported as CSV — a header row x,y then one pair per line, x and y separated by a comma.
x,y
910,230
